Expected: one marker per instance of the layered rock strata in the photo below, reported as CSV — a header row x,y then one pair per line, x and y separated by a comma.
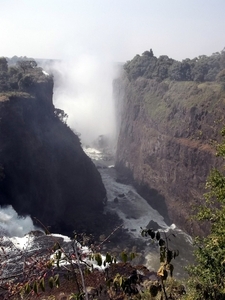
x,y
166,144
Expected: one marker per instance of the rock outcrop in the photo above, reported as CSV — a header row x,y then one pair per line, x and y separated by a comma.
x,y
45,172
166,140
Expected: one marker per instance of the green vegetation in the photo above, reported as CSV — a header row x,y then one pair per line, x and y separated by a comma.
x,y
20,76
200,69
120,281
207,275
181,99
166,267
72,270
169,94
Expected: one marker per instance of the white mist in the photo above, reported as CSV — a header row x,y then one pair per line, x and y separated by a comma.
x,y
11,224
83,89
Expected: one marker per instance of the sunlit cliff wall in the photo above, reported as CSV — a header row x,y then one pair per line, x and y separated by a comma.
x,y
166,141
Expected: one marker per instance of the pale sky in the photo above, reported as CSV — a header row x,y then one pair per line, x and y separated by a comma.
x,y
115,29
89,36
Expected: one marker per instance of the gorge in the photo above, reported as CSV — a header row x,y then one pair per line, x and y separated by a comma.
x,y
44,171
168,123
171,114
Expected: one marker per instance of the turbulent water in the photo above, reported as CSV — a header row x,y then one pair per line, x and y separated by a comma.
x,y
123,200
135,212
11,224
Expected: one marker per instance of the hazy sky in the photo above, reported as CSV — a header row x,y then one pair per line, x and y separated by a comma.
x,y
116,29
88,35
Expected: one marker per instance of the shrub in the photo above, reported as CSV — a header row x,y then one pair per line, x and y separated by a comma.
x,y
207,276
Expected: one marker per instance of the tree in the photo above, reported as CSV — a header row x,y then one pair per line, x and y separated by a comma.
x,y
3,64
207,276
151,53
3,74
221,78
26,65
148,53
61,115
26,82
14,77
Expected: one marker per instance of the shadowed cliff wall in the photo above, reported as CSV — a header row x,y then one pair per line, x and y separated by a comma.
x,y
46,173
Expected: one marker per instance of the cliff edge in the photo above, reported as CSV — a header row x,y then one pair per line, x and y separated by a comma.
x,y
44,171
170,116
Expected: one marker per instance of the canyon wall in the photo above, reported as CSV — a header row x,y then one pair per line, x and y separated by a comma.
x,y
44,171
166,144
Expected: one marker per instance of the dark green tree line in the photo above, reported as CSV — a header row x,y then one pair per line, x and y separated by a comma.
x,y
200,69
18,76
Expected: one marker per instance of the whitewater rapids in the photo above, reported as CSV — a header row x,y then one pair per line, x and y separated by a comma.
x,y
135,212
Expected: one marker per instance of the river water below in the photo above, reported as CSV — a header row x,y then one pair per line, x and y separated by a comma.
x,y
135,212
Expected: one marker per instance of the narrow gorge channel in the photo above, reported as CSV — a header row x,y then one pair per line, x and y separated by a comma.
x,y
135,212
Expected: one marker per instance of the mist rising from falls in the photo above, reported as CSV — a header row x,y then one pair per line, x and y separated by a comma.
x,y
83,89
11,224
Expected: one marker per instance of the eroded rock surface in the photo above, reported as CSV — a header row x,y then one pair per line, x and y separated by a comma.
x,y
166,141
45,172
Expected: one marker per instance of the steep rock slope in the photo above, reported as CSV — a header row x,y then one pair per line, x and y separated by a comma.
x,y
166,140
45,172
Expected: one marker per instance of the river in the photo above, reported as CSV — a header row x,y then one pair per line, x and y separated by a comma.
x,y
135,212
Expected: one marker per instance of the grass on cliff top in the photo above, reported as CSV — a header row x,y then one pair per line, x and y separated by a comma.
x,y
5,96
182,95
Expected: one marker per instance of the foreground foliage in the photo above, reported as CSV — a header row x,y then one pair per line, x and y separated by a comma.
x,y
70,272
166,255
207,276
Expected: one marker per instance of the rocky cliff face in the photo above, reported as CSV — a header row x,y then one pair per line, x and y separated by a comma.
x,y
45,174
166,140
